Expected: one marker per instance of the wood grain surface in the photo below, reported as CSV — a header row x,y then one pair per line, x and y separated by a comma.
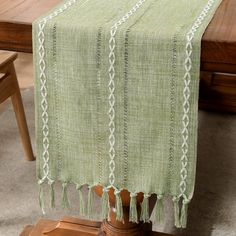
x,y
218,61
219,40
76,227
16,19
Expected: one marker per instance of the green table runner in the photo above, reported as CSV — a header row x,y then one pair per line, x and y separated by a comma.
x,y
117,100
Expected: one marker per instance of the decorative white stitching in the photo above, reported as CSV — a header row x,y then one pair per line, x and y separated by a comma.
x,y
43,89
186,95
111,86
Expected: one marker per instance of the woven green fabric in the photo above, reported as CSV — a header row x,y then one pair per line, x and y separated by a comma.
x,y
117,99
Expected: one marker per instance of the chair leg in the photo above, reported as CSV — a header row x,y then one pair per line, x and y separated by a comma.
x,y
20,117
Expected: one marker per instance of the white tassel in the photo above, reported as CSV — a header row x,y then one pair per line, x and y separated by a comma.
x,y
52,195
90,202
65,200
81,199
119,206
41,197
159,208
176,212
133,213
105,204
184,213
145,217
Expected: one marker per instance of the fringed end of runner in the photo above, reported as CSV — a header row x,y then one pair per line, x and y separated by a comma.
x,y
145,215
105,204
87,208
65,201
133,212
181,211
119,206
79,189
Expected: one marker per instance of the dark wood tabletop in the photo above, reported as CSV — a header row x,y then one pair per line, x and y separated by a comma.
x,y
218,61
16,17
219,40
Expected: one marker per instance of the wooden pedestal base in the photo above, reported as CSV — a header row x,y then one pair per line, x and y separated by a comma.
x,y
66,227
76,227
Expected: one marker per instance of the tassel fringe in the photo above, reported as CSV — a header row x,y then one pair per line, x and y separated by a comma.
x,y
145,217
180,204
52,194
81,199
181,215
184,212
90,202
41,198
119,207
176,212
105,204
133,213
65,200
159,208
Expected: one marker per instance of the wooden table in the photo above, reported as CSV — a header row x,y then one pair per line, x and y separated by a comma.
x,y
16,17
218,72
218,58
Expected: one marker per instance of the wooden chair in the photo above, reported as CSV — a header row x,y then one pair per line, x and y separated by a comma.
x,y
9,87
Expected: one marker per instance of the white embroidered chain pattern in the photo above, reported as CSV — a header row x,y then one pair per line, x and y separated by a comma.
x,y
43,89
186,95
111,86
